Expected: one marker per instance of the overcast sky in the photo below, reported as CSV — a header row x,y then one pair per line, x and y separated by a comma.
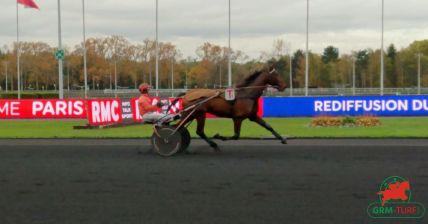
x,y
346,24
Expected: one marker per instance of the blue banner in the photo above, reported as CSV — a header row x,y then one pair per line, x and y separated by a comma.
x,y
346,106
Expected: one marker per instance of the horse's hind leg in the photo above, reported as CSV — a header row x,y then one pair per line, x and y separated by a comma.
x,y
263,123
200,131
237,122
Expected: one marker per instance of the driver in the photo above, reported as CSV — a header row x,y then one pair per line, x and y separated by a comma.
x,y
148,111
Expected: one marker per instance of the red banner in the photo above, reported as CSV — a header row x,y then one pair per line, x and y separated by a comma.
x,y
40,109
98,112
105,111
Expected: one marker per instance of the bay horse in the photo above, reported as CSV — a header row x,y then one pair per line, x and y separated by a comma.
x,y
245,105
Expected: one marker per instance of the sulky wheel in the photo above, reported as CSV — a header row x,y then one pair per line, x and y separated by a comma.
x,y
166,141
185,136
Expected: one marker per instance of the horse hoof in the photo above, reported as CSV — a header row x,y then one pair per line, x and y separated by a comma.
x,y
219,137
215,147
284,141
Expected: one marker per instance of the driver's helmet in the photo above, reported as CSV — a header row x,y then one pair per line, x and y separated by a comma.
x,y
144,88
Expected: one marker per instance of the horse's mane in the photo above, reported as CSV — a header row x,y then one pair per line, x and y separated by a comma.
x,y
249,79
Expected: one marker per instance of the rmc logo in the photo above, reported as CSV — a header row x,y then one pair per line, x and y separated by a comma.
x,y
394,201
104,111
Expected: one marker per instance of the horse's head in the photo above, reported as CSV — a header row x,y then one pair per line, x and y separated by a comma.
x,y
275,79
405,185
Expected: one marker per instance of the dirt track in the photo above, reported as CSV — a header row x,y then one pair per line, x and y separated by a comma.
x,y
118,181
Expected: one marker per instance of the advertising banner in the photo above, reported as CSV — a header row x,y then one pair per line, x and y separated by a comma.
x,y
127,112
346,106
110,111
42,109
104,111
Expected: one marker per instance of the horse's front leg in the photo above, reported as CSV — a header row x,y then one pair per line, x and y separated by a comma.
x,y
263,123
237,123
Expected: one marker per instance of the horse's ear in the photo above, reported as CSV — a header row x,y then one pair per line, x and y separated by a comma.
x,y
270,68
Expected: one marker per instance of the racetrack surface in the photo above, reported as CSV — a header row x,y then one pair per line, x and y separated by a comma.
x,y
120,181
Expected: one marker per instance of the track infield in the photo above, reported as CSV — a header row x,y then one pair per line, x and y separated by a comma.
x,y
392,127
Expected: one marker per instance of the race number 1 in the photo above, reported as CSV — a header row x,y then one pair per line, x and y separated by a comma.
x,y
229,94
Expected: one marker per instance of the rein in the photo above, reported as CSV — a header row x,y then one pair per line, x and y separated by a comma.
x,y
254,87
247,87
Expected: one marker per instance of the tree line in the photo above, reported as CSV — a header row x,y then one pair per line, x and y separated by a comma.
x,y
115,59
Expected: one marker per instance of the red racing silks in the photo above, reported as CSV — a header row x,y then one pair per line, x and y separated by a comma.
x,y
173,109
28,3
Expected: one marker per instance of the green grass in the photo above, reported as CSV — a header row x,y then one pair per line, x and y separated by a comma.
x,y
412,127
